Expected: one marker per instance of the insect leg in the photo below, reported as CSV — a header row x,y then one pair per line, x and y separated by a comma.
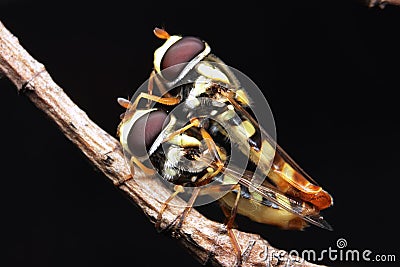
x,y
127,177
159,85
146,170
187,209
197,191
193,123
150,87
212,147
169,101
229,226
131,108
227,213
178,189
155,78
124,180
177,223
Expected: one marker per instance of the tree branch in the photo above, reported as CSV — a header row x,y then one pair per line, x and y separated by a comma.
x,y
382,3
203,238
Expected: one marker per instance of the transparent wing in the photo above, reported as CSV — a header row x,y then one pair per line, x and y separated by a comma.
x,y
295,206
272,142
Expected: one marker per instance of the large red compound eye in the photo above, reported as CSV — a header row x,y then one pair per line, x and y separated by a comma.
x,y
145,131
183,51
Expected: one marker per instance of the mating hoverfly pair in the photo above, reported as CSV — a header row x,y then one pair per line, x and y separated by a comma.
x,y
200,134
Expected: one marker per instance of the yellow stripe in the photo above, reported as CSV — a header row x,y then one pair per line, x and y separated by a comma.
x,y
241,96
160,52
249,128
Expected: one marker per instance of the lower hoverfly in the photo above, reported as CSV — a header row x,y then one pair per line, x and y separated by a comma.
x,y
200,134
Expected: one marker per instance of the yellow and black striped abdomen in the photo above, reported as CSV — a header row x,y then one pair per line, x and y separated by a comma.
x,y
263,211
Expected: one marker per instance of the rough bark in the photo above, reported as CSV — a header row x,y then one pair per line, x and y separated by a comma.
x,y
382,3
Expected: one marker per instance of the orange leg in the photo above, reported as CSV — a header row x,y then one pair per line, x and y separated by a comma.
x,y
229,226
230,215
125,103
212,147
150,87
147,171
188,208
129,176
131,107
178,189
177,223
160,85
169,101
193,123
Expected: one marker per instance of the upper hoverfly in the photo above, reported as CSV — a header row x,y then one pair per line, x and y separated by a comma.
x,y
200,134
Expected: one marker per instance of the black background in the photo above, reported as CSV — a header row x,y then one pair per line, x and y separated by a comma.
x,y
329,70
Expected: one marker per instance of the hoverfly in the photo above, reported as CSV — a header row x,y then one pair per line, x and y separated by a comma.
x,y
195,147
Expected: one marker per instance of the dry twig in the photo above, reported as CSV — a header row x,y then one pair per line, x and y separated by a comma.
x,y
382,3
201,237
